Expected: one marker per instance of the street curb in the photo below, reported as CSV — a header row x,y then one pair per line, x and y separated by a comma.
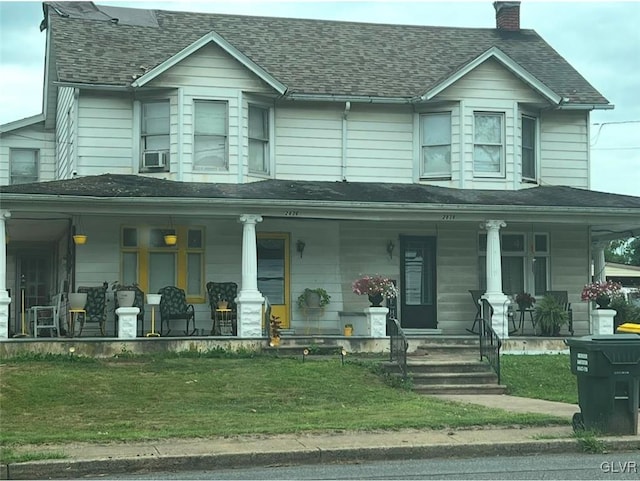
x,y
70,469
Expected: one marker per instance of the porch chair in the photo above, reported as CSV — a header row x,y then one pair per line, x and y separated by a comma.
x,y
137,302
96,307
47,317
223,291
173,306
562,297
476,294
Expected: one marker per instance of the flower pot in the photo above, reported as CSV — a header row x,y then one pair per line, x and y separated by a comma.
x,y
153,299
77,300
275,341
170,239
223,304
126,298
376,299
79,239
603,302
348,330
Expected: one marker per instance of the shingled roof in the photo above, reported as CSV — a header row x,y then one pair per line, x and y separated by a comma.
x,y
316,57
133,186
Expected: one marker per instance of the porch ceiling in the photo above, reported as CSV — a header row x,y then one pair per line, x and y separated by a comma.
x,y
611,213
36,229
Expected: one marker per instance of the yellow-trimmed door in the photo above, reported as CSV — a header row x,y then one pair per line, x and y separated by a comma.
x,y
273,274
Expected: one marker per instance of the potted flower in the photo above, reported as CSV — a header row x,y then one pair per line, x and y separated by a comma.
x,y
125,294
274,331
377,287
348,329
313,298
601,292
550,315
525,300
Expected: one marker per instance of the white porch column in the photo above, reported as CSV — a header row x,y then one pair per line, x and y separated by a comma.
x,y
598,261
249,299
5,300
494,293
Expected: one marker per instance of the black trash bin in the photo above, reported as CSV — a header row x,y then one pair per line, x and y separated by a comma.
x,y
608,373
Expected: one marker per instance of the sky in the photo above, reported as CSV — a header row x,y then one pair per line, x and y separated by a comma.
x,y
600,39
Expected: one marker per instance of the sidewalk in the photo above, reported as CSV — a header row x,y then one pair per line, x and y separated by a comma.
x,y
84,459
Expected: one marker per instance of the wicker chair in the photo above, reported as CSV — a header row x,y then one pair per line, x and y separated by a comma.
x,y
223,291
173,306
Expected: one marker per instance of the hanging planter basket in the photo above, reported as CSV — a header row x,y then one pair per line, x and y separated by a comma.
x,y
170,239
79,239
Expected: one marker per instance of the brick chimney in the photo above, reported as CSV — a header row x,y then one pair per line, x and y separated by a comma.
x,y
507,16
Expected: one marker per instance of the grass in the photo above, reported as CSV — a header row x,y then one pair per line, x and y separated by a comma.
x,y
59,399
540,377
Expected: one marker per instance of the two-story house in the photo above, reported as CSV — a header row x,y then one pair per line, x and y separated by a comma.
x,y
289,153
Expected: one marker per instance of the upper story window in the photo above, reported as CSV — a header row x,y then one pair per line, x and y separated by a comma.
x,y
210,135
529,151
435,145
23,165
258,140
155,135
488,144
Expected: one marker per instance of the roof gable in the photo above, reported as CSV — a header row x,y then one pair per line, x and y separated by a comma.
x,y
211,37
505,61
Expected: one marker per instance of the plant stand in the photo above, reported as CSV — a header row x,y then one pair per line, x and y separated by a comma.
x,y
602,321
127,322
376,321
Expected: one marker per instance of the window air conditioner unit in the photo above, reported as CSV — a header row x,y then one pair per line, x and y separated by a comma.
x,y
155,158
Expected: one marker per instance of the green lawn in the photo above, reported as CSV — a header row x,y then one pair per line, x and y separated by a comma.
x,y
64,399
541,377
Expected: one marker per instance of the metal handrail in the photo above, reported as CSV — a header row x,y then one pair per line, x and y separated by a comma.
x,y
398,345
490,343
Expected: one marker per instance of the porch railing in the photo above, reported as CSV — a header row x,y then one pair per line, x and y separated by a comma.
x,y
490,343
398,345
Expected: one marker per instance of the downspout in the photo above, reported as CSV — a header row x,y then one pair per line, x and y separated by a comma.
x,y
180,132
76,119
517,152
345,114
240,139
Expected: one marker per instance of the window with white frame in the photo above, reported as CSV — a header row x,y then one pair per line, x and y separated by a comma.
x,y
435,137
23,165
154,134
521,271
210,135
488,144
529,151
258,139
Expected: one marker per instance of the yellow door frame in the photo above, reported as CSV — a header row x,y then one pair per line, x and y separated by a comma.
x,y
283,311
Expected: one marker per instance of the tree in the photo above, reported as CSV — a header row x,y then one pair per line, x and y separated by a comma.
x,y
624,252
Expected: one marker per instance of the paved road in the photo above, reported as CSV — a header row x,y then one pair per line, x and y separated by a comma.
x,y
618,466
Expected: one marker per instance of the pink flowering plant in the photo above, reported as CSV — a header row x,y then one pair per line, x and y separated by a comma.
x,y
600,289
372,285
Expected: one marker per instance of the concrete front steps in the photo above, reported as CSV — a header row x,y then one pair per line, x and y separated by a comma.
x,y
441,365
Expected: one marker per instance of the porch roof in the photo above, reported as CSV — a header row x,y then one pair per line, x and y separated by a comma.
x,y
610,216
136,186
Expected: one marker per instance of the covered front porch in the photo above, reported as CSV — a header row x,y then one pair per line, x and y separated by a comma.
x,y
274,239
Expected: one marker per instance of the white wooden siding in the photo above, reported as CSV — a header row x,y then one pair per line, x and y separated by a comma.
x,y
308,141
564,148
105,134
30,137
